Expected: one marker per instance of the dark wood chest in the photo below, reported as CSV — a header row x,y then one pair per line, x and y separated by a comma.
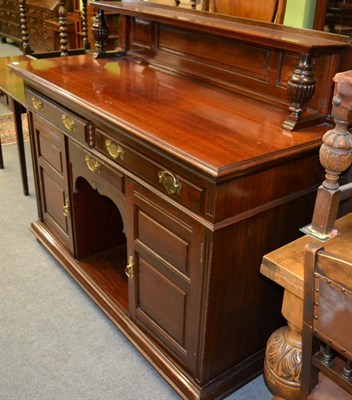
x,y
10,20
40,13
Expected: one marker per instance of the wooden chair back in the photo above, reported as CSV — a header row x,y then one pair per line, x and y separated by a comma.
x,y
262,10
335,157
327,320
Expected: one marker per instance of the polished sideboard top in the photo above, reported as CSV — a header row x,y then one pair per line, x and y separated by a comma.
x,y
215,131
193,68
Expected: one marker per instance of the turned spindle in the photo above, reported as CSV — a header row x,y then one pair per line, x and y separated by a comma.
x,y
63,29
86,43
26,48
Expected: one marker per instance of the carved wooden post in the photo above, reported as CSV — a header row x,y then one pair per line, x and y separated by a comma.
x,y
63,29
86,44
300,89
177,2
26,48
335,156
100,32
193,4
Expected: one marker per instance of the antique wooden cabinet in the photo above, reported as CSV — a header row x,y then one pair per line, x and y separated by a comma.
x,y
162,180
10,20
41,14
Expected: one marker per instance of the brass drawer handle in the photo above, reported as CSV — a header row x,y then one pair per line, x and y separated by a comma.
x,y
171,184
115,151
37,104
92,164
68,122
67,209
129,270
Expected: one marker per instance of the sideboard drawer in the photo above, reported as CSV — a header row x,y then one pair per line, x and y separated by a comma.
x,y
160,176
67,122
99,175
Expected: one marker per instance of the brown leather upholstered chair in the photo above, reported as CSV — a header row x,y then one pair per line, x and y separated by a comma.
x,y
327,326
263,10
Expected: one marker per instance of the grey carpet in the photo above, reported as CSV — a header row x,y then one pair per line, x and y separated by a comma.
x,y
54,342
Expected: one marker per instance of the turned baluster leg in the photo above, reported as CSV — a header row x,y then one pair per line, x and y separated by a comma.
x,y
300,89
86,44
283,356
100,32
193,4
335,157
26,48
177,2
63,29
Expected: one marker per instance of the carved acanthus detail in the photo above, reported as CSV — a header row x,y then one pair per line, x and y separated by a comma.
x,y
283,357
300,89
334,162
335,152
283,362
335,156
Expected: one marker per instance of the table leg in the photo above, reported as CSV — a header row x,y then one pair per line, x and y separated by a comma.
x,y
283,356
18,110
1,157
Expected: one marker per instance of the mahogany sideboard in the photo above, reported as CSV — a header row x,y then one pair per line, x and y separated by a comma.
x,y
163,175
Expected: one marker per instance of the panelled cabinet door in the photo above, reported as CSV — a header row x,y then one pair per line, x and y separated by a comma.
x,y
54,195
165,270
